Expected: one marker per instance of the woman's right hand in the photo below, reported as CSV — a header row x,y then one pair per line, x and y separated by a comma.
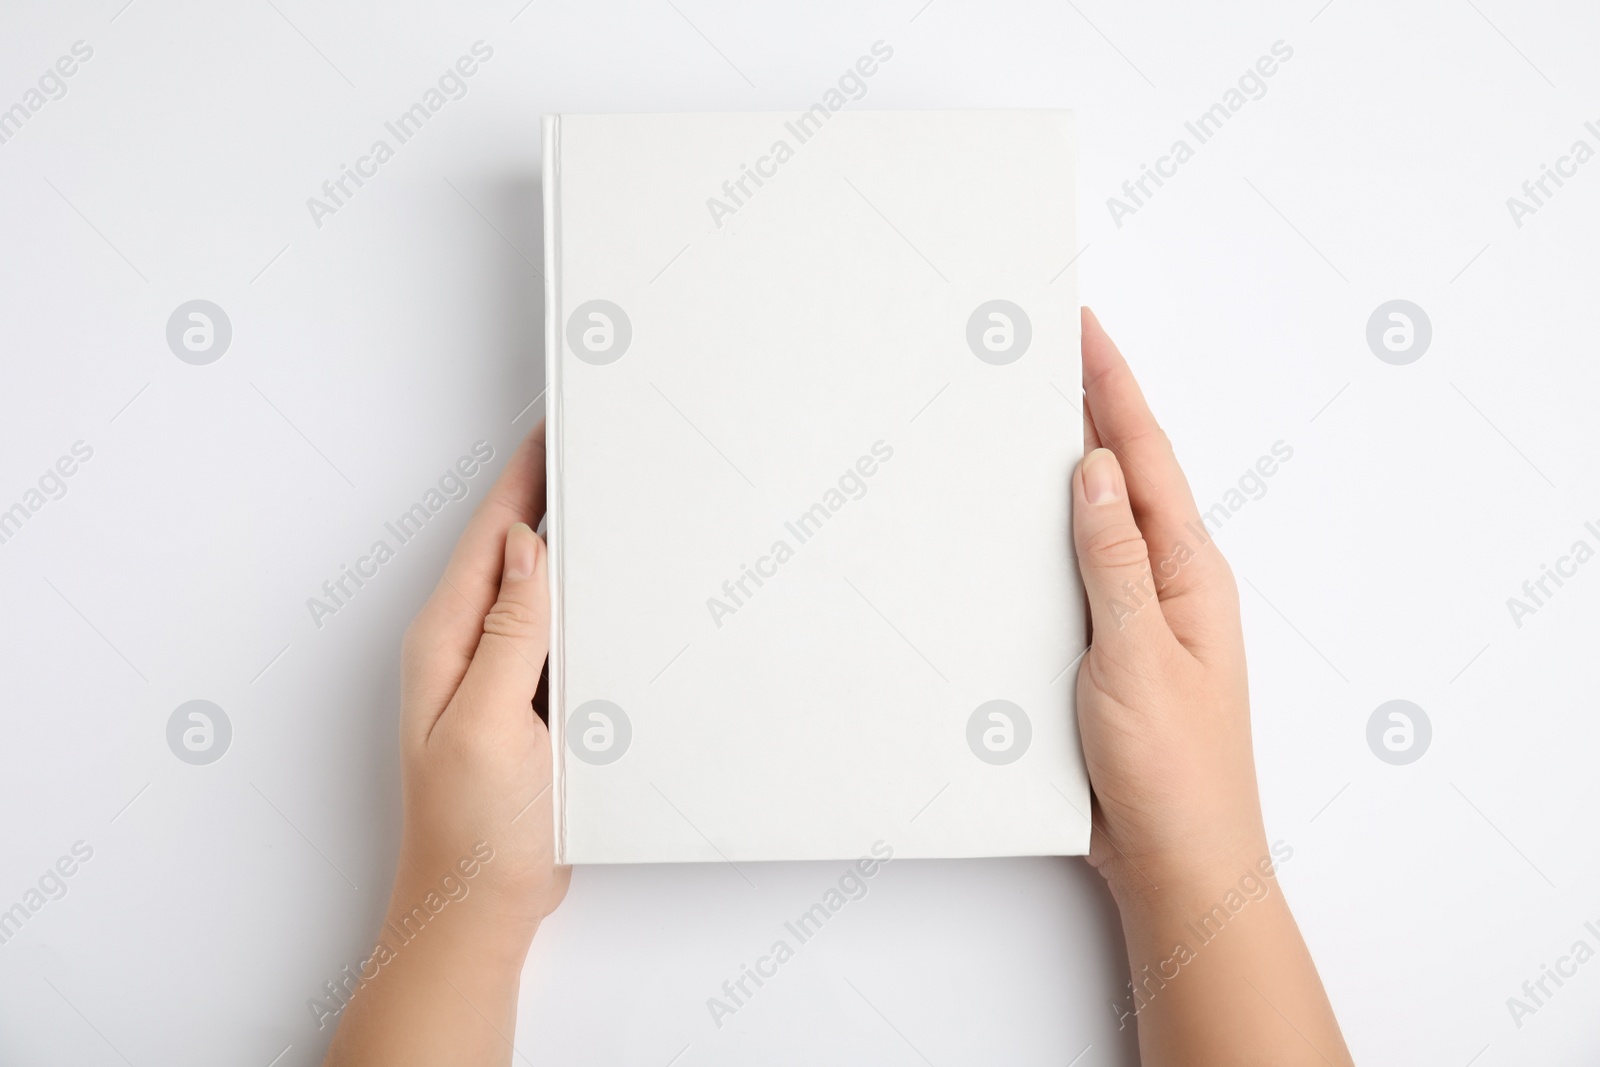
x,y
1163,698
1220,974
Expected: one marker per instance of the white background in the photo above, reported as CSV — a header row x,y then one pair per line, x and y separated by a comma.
x,y
369,353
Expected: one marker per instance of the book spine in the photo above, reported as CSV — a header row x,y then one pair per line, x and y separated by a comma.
x,y
554,512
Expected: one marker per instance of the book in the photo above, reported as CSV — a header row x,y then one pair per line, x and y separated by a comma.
x,y
814,406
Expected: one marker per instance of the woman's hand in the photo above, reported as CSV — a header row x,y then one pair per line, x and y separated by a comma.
x,y
476,758
1163,699
1220,975
477,867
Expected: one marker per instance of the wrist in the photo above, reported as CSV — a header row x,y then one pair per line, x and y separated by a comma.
x,y
458,920
1208,842
1196,877
437,972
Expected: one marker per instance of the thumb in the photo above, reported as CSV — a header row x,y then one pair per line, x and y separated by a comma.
x,y
516,633
1113,557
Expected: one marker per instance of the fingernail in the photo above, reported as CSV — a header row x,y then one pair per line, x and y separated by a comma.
x,y
1100,482
519,552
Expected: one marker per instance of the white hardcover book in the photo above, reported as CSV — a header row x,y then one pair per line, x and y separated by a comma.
x,y
814,408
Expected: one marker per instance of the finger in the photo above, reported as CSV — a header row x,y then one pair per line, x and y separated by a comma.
x,y
1114,561
443,637
516,496
500,683
1091,435
1187,564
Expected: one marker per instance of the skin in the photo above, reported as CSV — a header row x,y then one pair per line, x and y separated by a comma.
x,y
1163,709
475,767
1164,712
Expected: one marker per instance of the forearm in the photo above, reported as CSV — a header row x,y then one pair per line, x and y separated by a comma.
x,y
1220,973
444,991
472,883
